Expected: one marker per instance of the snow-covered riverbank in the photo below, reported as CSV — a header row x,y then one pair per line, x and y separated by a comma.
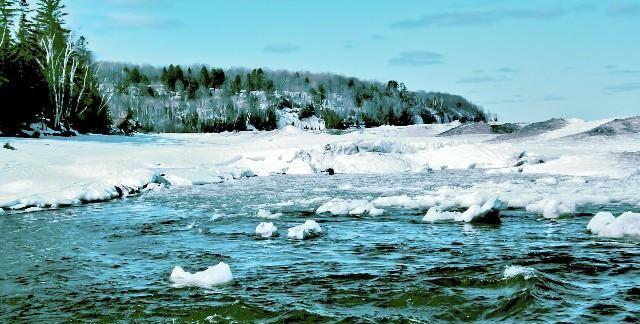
x,y
64,171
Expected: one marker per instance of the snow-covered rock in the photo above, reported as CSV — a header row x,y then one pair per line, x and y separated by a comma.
x,y
266,230
604,224
214,275
307,230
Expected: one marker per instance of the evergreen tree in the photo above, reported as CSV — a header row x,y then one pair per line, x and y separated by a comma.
x,y
217,78
7,14
49,20
205,78
236,85
27,86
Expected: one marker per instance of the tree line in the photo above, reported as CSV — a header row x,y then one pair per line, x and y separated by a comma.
x,y
201,98
47,75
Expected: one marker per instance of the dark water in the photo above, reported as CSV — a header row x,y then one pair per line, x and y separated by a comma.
x,y
111,261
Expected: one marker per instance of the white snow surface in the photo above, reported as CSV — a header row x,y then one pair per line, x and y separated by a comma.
x,y
214,275
604,224
55,171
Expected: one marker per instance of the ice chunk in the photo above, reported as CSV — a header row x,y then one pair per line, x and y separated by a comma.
x,y
338,206
376,211
214,275
552,208
263,213
307,230
605,225
515,270
600,221
488,213
435,214
266,230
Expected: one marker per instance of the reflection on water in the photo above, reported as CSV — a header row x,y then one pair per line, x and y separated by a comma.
x,y
111,261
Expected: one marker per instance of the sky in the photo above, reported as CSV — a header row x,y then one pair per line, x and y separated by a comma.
x,y
522,60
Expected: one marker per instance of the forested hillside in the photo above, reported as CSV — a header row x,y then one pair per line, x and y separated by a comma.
x,y
46,74
204,99
49,83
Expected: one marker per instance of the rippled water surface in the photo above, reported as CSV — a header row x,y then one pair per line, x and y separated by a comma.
x,y
111,261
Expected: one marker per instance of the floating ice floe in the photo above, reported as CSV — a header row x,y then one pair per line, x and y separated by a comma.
x,y
266,230
604,224
263,213
338,206
435,214
307,230
552,208
214,275
516,270
489,213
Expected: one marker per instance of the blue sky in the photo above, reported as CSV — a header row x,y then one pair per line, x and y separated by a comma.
x,y
524,60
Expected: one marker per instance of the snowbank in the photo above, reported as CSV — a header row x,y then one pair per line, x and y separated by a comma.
x,y
52,172
266,230
214,275
307,230
604,224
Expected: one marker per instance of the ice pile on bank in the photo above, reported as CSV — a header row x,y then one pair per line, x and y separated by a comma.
x,y
266,230
214,275
604,224
307,230
488,213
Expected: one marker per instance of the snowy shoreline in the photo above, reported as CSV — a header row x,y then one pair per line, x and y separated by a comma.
x,y
52,172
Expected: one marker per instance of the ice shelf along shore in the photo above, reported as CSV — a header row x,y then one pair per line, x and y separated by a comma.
x,y
576,164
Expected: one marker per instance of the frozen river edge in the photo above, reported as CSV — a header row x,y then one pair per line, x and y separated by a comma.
x,y
574,169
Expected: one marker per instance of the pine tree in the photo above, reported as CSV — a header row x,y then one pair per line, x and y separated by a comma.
x,y
7,14
27,85
205,78
49,21
218,78
236,85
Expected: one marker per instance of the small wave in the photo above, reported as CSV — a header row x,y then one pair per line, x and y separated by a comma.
x,y
516,270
